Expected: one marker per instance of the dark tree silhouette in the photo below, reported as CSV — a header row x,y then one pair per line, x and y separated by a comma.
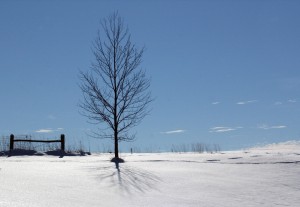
x,y
115,90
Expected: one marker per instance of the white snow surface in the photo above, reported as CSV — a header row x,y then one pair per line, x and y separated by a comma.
x,y
264,176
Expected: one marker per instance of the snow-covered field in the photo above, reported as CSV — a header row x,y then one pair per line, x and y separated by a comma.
x,y
266,176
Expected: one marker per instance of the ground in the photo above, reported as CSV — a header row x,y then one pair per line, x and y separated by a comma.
x,y
267,176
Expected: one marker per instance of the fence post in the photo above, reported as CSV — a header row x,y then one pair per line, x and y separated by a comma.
x,y
11,143
62,142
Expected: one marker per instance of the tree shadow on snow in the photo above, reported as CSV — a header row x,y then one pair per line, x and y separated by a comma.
x,y
127,178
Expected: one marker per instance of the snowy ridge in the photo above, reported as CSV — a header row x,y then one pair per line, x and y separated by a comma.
x,y
288,147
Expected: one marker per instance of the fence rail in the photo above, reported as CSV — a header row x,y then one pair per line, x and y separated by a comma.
x,y
13,140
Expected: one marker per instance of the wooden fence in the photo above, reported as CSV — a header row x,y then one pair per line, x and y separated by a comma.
x,y
13,140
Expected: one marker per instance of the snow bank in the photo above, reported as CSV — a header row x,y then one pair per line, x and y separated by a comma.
x,y
285,147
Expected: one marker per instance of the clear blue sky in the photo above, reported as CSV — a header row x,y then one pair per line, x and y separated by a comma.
x,y
224,72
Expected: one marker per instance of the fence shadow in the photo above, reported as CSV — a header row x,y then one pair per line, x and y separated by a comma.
x,y
127,178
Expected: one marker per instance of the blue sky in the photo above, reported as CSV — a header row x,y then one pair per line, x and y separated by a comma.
x,y
224,72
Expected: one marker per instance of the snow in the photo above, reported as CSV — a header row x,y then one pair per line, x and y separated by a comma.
x,y
262,176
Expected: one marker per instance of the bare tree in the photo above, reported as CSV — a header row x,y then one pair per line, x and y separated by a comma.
x,y
115,90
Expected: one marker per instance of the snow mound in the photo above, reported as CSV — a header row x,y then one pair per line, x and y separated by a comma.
x,y
292,146
24,152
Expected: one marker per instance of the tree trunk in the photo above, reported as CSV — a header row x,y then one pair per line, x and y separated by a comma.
x,y
116,145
